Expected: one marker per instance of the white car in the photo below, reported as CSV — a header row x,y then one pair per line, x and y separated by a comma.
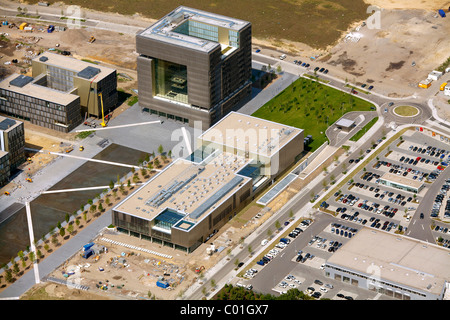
x,y
264,242
323,289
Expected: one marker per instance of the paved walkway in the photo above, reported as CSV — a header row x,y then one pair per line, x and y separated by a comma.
x,y
58,257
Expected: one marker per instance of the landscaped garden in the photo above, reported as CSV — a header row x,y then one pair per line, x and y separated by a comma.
x,y
312,106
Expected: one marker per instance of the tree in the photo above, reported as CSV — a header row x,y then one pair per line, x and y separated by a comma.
x,y
62,232
100,207
279,70
277,224
31,256
16,268
160,149
156,162
70,228
111,183
8,275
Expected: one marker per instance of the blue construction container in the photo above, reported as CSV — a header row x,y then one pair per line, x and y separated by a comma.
x,y
86,247
88,253
162,284
441,13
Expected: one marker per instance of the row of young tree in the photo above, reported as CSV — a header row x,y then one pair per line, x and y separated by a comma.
x,y
18,266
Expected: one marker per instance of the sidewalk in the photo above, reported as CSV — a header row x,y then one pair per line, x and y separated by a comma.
x,y
61,255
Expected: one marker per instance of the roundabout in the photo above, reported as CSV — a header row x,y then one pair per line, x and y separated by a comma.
x,y
406,111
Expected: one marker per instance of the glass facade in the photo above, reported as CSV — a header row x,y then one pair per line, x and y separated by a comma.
x,y
207,32
199,30
233,38
171,81
60,79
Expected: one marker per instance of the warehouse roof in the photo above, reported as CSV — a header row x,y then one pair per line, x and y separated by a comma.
x,y
398,259
252,134
402,180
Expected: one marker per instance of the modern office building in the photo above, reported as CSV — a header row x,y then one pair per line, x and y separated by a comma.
x,y
191,199
194,66
84,79
26,98
5,172
12,140
392,264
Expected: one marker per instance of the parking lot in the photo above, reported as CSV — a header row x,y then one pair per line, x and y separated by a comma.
x,y
297,260
414,161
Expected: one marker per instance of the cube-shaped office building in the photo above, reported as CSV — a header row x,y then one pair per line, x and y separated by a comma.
x,y
194,66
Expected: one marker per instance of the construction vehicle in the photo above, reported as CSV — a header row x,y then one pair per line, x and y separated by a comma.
x,y
7,193
200,269
103,113
91,39
81,148
443,86
69,150
28,180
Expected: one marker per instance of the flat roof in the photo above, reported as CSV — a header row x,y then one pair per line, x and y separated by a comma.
x,y
399,259
37,91
402,180
345,123
7,124
187,188
164,29
73,64
252,134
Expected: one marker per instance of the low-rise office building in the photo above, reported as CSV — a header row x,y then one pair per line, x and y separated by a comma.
x,y
12,141
391,264
4,168
25,98
81,78
183,205
400,182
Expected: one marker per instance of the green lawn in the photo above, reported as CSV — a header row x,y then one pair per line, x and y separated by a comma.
x,y
311,106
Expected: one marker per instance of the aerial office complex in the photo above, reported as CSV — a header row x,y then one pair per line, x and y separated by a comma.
x,y
12,147
194,197
60,93
194,66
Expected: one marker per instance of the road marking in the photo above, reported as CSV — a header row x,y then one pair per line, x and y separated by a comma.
x,y
95,160
84,189
33,248
118,127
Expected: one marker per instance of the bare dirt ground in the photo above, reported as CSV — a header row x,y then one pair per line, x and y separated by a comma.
x,y
109,277
384,57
